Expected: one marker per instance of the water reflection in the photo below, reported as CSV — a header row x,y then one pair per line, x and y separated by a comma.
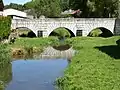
x,y
63,51
5,74
50,52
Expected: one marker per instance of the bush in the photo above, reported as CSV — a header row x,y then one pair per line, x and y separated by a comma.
x,y
5,27
4,54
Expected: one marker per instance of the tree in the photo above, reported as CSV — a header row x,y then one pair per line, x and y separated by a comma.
x,y
48,8
15,6
64,5
106,8
79,4
29,5
96,8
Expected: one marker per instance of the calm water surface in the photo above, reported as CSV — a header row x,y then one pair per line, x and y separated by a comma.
x,y
36,74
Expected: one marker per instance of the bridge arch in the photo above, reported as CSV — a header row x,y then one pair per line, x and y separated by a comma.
x,y
27,32
101,31
79,26
72,34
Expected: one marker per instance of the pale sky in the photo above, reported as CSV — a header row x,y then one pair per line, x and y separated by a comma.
x,y
15,1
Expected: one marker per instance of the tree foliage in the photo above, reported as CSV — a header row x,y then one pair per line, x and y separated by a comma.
x,y
106,8
95,8
15,6
53,8
48,8
5,27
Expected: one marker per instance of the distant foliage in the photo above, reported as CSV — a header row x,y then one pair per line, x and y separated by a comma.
x,y
100,32
95,32
15,6
5,26
61,33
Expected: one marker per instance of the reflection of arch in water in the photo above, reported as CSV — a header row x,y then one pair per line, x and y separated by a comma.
x,y
50,52
26,32
54,34
62,47
104,32
5,73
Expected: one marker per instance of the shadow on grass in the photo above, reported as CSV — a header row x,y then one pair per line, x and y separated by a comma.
x,y
112,50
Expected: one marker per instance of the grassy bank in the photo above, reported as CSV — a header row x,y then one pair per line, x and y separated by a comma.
x,y
96,66
4,62
31,45
4,54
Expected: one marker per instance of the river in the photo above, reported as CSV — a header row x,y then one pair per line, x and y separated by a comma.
x,y
38,72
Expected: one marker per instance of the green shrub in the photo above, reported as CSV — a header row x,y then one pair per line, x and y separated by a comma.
x,y
4,54
5,26
95,32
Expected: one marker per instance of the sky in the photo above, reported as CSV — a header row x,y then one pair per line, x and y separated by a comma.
x,y
6,2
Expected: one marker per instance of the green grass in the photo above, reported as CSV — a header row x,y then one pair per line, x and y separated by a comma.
x,y
32,45
34,42
4,61
4,54
95,66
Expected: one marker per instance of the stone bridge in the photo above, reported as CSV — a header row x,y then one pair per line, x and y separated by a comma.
x,y
78,26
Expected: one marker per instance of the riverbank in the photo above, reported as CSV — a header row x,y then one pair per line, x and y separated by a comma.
x,y
4,54
96,66
23,46
5,59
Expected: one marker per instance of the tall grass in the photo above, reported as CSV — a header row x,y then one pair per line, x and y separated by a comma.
x,y
4,54
4,65
29,46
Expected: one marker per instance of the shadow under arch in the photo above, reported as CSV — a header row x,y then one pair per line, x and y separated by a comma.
x,y
100,32
57,34
25,32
